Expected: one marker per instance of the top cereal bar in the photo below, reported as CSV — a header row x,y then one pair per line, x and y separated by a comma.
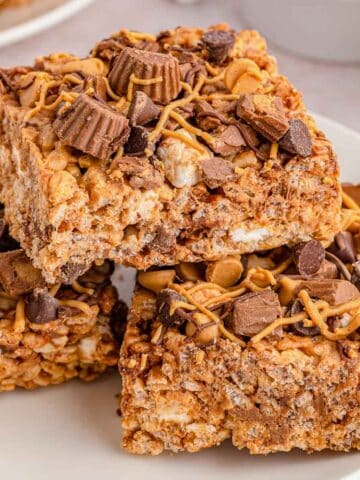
x,y
188,146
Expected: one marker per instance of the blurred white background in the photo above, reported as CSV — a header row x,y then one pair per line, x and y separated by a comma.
x,y
329,87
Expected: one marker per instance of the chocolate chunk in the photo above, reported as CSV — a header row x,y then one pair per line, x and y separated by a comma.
x,y
252,312
17,274
140,172
327,269
298,327
355,274
353,191
308,257
297,139
41,307
218,43
92,127
207,118
118,320
334,292
265,114
142,109
164,301
217,171
340,266
228,141
137,141
146,66
343,247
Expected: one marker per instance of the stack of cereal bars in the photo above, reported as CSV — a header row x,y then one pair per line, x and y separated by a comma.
x,y
189,157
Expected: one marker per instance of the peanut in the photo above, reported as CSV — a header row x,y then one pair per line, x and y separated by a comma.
x,y
225,272
206,334
156,280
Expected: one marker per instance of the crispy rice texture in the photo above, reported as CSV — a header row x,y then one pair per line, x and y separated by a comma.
x,y
103,216
76,344
270,397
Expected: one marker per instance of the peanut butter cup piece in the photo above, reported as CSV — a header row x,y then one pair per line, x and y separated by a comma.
x,y
92,127
150,66
142,109
297,139
218,44
137,141
335,292
265,114
217,171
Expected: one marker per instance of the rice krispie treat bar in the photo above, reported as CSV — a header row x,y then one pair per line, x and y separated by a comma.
x,y
188,146
50,334
264,350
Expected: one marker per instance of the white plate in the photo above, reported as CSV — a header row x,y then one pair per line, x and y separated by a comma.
x,y
20,22
72,432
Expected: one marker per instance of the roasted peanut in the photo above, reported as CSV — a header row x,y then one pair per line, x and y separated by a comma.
x,y
189,272
225,272
206,334
156,280
243,76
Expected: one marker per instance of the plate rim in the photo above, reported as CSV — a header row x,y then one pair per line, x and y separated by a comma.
x,y
42,22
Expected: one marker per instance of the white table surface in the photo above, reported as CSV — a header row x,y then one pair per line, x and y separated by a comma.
x,y
330,89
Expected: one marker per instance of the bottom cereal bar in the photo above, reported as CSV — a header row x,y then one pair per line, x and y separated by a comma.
x,y
50,334
263,350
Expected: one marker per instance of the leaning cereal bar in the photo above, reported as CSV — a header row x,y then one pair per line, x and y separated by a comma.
x,y
265,351
50,334
188,146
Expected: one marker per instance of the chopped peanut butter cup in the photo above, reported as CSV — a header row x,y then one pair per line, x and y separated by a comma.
x,y
265,114
156,74
92,127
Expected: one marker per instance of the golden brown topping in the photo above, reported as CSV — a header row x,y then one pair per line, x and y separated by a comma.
x,y
156,280
202,330
308,257
142,109
142,68
265,114
334,292
297,139
17,274
252,312
92,127
226,272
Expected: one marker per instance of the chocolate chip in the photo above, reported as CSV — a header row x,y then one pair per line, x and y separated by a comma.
x,y
308,257
252,312
218,43
118,320
164,301
265,114
41,307
297,139
343,247
217,171
137,142
298,327
142,109
355,274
